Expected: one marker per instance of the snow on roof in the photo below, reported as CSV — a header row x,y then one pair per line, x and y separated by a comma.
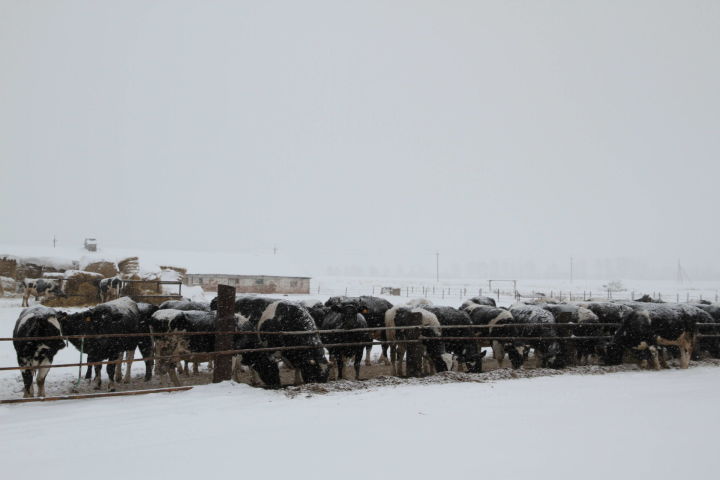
x,y
222,263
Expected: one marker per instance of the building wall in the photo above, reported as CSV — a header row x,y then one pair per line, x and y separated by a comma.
x,y
249,283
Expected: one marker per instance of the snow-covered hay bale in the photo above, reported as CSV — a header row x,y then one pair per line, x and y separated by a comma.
x,y
129,267
180,270
103,267
142,286
80,287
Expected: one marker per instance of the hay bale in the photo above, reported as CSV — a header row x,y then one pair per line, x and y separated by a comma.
x,y
8,266
103,267
81,289
129,267
180,270
146,285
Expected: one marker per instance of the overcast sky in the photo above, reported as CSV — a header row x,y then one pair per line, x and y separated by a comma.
x,y
529,131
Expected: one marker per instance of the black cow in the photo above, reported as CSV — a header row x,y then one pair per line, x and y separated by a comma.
x,y
578,351
534,321
489,316
36,321
374,310
120,316
343,317
41,287
283,316
650,325
109,288
468,352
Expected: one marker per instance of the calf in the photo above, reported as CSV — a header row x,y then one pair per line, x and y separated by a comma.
x,y
109,288
36,321
41,287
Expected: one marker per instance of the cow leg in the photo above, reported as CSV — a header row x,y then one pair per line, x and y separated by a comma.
x,y
255,381
117,375
400,354
27,376
146,350
498,352
196,368
340,360
358,358
129,355
98,380
384,356
42,373
298,377
174,377
654,357
368,350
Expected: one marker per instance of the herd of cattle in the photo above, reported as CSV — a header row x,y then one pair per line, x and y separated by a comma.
x,y
451,337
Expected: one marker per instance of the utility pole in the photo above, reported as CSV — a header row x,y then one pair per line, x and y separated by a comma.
x,y
54,241
437,267
274,249
571,270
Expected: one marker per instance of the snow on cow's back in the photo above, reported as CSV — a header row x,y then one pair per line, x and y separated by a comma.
x,y
40,311
125,305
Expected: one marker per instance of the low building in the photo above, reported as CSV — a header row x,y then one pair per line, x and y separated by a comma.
x,y
249,283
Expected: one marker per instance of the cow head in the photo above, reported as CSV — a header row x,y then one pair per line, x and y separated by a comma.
x,y
475,360
554,357
314,367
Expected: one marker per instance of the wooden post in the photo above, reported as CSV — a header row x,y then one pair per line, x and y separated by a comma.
x,y
225,322
414,350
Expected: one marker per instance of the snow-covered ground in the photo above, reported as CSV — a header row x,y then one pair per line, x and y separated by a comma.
x,y
658,424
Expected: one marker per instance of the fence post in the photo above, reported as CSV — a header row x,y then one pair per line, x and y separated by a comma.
x,y
414,350
224,323
677,298
373,290
498,294
687,300
480,294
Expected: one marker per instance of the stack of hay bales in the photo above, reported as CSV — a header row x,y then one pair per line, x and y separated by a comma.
x,y
142,285
129,267
80,287
103,267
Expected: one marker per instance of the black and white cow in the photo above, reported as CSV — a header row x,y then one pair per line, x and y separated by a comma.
x,y
109,288
479,300
36,321
433,344
120,316
486,315
373,309
343,318
184,305
283,316
578,351
467,352
653,325
396,357
534,321
41,287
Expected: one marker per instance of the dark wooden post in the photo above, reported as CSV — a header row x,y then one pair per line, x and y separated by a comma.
x,y
225,322
414,350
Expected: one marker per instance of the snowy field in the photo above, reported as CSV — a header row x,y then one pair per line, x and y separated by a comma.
x,y
590,427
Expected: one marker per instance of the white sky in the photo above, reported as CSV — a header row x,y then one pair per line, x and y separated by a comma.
x,y
365,131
